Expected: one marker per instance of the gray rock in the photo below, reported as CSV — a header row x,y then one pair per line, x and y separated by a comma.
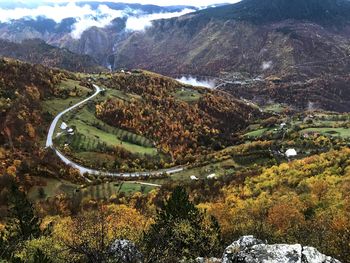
x,y
312,255
251,250
208,260
125,251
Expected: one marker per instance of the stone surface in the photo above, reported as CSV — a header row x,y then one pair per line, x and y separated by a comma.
x,y
208,260
248,249
125,251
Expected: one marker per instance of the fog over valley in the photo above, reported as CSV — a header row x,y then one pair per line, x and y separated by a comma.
x,y
87,16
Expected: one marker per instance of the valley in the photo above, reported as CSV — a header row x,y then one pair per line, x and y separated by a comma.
x,y
262,144
142,133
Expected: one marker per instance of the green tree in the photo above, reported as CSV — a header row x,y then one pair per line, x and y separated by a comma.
x,y
22,224
181,232
40,257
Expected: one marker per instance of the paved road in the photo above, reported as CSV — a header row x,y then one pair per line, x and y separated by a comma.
x,y
84,170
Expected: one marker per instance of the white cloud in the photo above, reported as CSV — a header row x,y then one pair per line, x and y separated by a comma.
x,y
87,17
56,12
102,17
195,82
162,2
140,22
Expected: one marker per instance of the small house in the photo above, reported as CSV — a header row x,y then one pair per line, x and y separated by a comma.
x,y
291,153
211,176
64,126
194,178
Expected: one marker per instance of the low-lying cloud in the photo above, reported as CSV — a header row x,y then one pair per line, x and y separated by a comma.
x,y
195,82
141,22
87,17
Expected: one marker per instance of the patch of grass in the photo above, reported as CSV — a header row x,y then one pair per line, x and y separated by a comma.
x,y
219,168
121,95
335,132
73,91
94,129
54,106
73,85
53,187
107,190
256,133
278,108
188,95
94,134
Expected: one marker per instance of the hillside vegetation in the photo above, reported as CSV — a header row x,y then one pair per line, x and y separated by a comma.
x,y
24,123
38,52
178,127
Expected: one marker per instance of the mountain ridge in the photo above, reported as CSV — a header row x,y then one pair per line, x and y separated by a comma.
x,y
36,51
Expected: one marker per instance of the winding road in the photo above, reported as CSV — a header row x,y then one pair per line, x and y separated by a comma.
x,y
84,170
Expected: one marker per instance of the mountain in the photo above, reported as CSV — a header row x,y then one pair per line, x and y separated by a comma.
x,y
324,12
257,37
297,41
89,35
38,52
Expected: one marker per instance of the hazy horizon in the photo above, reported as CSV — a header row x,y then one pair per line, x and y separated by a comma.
x,y
144,2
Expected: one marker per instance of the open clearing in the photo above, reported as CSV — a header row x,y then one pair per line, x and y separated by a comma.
x,y
335,132
54,187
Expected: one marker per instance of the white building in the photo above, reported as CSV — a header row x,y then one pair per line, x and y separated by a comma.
x,y
63,126
211,176
291,153
70,131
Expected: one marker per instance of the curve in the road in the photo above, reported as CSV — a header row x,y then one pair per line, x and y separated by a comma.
x,y
84,170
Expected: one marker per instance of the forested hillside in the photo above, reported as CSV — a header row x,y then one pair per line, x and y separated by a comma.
x,y
182,121
38,52
23,125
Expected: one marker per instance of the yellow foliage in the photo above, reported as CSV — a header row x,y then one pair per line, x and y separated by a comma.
x,y
11,170
2,153
30,130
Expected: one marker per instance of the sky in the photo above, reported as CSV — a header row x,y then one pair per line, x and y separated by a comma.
x,y
154,2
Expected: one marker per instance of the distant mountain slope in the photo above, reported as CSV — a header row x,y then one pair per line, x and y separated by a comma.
x,y
96,41
265,36
38,52
265,11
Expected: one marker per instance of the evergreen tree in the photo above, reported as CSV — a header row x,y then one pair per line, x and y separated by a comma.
x,y
40,257
23,224
181,232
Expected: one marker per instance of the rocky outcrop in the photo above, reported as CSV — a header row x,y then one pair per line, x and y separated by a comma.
x,y
125,251
251,250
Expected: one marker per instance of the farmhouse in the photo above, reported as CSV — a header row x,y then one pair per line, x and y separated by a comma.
x,y
291,153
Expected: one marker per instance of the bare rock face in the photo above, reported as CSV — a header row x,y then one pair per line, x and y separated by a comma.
x,y
125,251
251,250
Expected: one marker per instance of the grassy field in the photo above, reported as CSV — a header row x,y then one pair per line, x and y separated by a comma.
x,y
85,123
335,132
94,134
188,95
256,133
219,168
55,106
106,190
72,89
278,108
53,187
